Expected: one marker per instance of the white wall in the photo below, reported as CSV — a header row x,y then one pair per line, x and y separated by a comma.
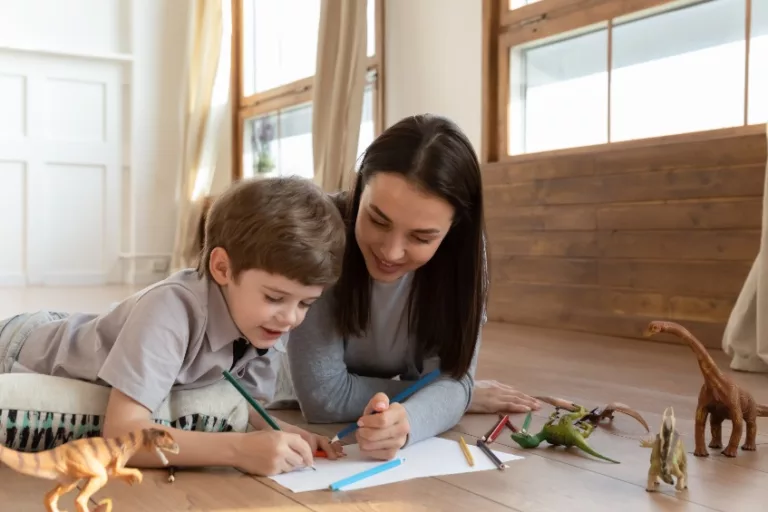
x,y
434,61
142,41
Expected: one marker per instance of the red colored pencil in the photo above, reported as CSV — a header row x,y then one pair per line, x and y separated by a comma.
x,y
494,432
321,454
498,429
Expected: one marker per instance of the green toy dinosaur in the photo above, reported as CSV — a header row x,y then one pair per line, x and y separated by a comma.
x,y
668,457
560,430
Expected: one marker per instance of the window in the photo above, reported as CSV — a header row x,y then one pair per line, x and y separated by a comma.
x,y
278,48
280,143
571,76
514,4
559,93
688,77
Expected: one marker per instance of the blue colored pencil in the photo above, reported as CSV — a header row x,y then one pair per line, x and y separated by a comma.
x,y
365,474
398,398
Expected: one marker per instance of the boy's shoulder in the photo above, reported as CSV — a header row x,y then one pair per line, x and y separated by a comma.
x,y
201,301
184,286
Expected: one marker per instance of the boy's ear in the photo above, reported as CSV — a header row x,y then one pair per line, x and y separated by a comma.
x,y
220,267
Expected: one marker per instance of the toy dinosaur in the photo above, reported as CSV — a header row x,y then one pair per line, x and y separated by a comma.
x,y
95,459
596,415
560,430
719,397
668,456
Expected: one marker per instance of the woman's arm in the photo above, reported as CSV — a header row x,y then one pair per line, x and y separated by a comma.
x,y
327,392
440,406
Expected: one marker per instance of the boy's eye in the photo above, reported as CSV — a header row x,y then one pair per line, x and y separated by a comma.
x,y
273,299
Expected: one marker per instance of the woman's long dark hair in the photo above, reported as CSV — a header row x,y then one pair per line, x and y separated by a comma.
x,y
449,292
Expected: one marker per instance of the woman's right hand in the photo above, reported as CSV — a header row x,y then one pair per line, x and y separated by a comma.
x,y
270,452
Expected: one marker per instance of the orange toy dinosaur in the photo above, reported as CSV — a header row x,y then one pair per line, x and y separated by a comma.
x,y
719,397
95,459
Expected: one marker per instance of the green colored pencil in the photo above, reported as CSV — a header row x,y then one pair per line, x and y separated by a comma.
x,y
256,405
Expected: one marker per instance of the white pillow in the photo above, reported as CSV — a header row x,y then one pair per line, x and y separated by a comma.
x,y
38,412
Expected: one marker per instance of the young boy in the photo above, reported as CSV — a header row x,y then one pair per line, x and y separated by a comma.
x,y
271,247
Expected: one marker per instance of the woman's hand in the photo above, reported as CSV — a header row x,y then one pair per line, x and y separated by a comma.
x,y
492,397
381,435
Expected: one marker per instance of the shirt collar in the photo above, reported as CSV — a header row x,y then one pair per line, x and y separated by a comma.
x,y
221,328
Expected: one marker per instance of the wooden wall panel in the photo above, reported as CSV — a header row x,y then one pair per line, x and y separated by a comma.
x,y
606,239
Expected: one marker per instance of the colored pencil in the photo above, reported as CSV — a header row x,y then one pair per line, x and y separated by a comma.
x,y
527,421
465,449
510,425
320,454
256,405
365,474
398,398
496,430
491,455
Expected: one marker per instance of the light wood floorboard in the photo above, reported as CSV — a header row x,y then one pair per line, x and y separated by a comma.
x,y
592,370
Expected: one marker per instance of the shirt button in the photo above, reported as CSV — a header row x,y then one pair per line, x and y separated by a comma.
x,y
241,372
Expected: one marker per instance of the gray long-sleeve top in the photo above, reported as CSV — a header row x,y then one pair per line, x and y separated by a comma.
x,y
334,380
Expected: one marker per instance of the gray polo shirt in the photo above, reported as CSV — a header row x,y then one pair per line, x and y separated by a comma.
x,y
175,334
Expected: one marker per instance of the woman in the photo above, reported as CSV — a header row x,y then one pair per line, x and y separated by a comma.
x,y
415,244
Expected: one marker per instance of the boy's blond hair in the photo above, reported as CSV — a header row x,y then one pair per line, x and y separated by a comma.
x,y
286,226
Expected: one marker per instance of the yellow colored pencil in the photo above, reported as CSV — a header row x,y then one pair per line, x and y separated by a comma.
x,y
465,449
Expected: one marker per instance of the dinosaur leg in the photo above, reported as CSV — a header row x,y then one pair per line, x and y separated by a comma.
x,y
716,425
130,475
681,472
94,483
104,505
653,481
52,497
700,449
751,420
737,429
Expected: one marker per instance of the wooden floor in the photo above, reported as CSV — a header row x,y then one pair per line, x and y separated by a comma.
x,y
590,369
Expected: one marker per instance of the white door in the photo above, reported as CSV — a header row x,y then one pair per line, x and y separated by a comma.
x,y
60,161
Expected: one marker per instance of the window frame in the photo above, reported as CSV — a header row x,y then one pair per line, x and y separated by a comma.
x,y
504,28
293,93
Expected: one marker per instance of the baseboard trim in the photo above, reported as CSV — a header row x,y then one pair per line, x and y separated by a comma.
x,y
13,280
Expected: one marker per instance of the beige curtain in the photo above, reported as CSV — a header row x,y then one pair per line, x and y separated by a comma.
x,y
746,334
337,97
205,99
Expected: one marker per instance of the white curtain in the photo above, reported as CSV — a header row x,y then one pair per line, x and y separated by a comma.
x,y
204,102
746,334
337,91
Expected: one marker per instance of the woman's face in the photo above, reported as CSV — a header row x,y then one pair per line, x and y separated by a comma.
x,y
399,227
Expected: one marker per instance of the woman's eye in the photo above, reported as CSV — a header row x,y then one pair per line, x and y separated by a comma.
x,y
377,222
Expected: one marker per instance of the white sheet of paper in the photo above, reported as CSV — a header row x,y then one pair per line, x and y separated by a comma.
x,y
431,457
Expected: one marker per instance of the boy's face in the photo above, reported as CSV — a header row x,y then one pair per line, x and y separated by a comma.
x,y
263,306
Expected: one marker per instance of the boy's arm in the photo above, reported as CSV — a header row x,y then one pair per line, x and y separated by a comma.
x,y
327,392
195,448
142,367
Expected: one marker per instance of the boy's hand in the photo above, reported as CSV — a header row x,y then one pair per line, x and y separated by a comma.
x,y
270,452
317,442
381,435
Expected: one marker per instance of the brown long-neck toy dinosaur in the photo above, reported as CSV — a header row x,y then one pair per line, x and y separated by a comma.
x,y
94,459
719,398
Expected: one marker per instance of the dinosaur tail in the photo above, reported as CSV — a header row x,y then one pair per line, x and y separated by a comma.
x,y
706,362
583,446
30,464
762,410
666,442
